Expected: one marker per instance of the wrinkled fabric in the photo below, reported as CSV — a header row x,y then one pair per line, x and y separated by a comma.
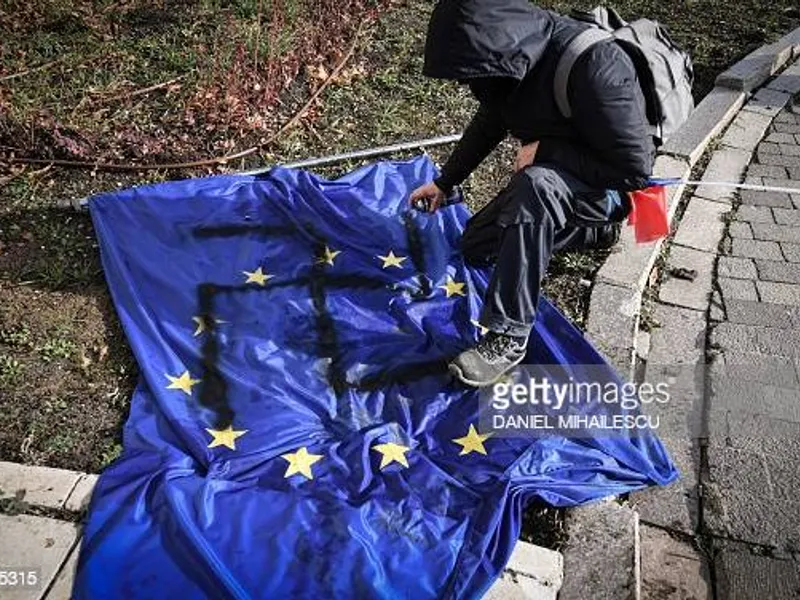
x,y
334,354
607,143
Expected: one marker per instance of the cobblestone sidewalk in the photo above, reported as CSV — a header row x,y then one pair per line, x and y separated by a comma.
x,y
729,341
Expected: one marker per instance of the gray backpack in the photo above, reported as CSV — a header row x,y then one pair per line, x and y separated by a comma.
x,y
665,71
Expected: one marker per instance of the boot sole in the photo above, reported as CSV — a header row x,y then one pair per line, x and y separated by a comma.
x,y
458,373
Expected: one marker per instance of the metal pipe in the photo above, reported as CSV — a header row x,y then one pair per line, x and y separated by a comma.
x,y
367,153
83,203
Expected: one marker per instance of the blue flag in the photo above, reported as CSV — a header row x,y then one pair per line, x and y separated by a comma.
x,y
295,432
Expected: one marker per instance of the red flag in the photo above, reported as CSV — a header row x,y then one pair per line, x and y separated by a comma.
x,y
649,214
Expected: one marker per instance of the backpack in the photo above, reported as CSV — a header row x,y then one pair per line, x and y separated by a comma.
x,y
665,71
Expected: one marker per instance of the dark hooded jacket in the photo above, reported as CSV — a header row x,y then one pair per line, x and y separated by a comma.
x,y
606,143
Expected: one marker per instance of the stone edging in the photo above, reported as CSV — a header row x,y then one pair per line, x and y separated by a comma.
x,y
615,302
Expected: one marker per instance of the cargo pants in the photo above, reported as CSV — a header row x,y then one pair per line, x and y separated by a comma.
x,y
542,210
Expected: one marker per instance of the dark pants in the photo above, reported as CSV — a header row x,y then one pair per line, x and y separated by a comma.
x,y
542,210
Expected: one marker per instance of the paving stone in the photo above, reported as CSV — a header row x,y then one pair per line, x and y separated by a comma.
x,y
676,358
43,486
778,159
755,198
769,147
753,492
781,182
532,573
746,131
780,138
677,355
701,226
755,68
677,505
62,588
778,341
726,164
707,120
611,323
537,562
776,233
768,101
681,292
790,149
787,117
794,172
736,289
601,555
786,127
754,180
35,543
779,293
785,216
673,569
762,314
736,268
754,214
79,498
744,573
745,398
791,252
542,568
756,170
756,249
778,371
784,183
779,271
740,229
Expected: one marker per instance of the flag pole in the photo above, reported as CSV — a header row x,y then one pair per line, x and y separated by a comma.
x,y
82,204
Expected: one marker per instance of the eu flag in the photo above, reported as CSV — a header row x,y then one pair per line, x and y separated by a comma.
x,y
295,432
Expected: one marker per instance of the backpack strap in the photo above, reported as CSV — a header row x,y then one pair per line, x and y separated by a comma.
x,y
577,46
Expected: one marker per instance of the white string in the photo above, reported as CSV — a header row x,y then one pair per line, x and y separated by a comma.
x,y
746,186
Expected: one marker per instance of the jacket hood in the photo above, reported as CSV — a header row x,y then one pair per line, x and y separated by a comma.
x,y
485,38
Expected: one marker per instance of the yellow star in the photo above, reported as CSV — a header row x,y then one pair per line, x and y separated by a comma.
x,y
258,276
225,437
328,256
472,442
452,287
184,383
300,462
390,260
481,328
392,453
